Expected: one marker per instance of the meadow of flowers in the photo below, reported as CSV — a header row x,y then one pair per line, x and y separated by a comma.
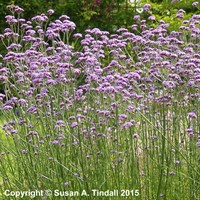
x,y
100,111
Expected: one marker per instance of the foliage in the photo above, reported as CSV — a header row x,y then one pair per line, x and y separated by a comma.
x,y
166,10
104,14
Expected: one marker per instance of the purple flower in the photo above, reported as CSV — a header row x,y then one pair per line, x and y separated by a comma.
x,y
23,102
7,107
153,137
2,96
74,124
31,133
32,109
135,136
198,144
192,114
127,124
172,173
24,151
190,131
180,15
146,7
43,90
152,18
18,9
50,12
169,84
64,17
177,162
59,123
14,131
122,116
136,17
54,142
40,18
195,4
78,35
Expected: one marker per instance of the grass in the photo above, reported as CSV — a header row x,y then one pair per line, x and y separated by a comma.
x,y
110,160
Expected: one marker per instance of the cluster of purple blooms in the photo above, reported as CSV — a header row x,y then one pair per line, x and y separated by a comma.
x,y
124,73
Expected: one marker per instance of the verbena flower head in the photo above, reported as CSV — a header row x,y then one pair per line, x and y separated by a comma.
x,y
198,144
50,12
152,18
135,135
192,114
195,4
146,7
136,17
74,124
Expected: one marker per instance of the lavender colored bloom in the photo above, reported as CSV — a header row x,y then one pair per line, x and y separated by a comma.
x,y
169,84
74,124
64,17
50,12
190,131
195,4
129,108
172,173
122,116
39,18
192,114
135,136
21,122
2,96
136,17
14,131
23,101
177,162
152,18
153,137
18,9
24,151
127,124
78,35
174,1
59,123
181,11
44,90
121,30
146,7
180,15
31,133
32,109
7,107
198,144
54,142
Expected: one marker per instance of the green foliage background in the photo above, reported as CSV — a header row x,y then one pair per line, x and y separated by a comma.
x,y
104,14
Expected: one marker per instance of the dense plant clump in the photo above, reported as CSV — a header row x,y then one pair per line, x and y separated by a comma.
x,y
99,110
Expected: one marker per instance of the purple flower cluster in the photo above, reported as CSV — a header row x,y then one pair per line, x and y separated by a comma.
x,y
102,86
146,7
